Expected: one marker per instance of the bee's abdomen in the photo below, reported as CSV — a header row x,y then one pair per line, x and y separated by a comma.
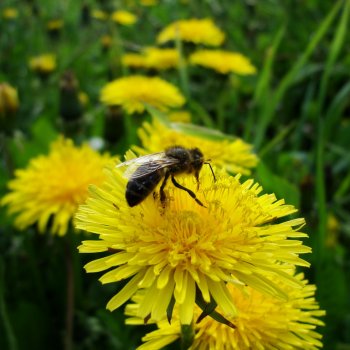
x,y
139,188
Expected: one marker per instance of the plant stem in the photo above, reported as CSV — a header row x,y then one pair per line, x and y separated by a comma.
x,y
11,340
68,336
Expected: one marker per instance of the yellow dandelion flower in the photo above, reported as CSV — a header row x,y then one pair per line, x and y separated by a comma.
x,y
83,98
239,238
43,64
161,58
133,92
333,227
8,100
148,2
106,41
153,58
55,24
180,116
9,13
235,156
262,322
100,15
197,31
9,104
134,60
124,17
223,61
54,186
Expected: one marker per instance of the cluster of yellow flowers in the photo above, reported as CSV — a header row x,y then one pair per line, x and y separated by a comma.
x,y
226,268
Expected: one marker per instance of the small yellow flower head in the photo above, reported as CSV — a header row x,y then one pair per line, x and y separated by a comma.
x,y
54,186
8,100
83,98
262,322
9,13
161,58
124,17
333,227
153,58
99,15
148,2
133,92
197,31
235,156
134,60
43,64
55,24
239,238
223,61
106,41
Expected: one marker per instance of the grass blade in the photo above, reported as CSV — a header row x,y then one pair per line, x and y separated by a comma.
x,y
270,106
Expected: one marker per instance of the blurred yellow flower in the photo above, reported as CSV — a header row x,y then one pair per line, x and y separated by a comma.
x,y
9,13
106,41
333,227
43,64
161,58
198,31
240,238
83,98
262,322
134,91
223,61
153,58
100,15
53,186
148,2
123,17
55,24
8,99
134,60
235,155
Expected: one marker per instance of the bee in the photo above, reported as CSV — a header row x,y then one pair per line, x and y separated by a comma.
x,y
145,173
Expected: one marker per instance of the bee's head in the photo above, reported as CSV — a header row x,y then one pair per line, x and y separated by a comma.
x,y
198,161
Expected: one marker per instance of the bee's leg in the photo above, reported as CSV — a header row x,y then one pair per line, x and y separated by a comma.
x,y
161,191
196,175
191,193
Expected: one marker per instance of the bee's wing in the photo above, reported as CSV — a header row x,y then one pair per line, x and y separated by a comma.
x,y
146,164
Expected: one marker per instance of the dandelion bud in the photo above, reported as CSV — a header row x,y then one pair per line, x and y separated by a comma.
x,y
8,106
70,106
43,64
114,124
8,99
54,28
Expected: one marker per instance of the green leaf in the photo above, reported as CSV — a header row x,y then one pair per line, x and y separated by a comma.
x,y
22,150
157,114
273,183
201,131
170,309
209,310
270,105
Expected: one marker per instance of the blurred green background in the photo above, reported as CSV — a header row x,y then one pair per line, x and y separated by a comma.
x,y
295,111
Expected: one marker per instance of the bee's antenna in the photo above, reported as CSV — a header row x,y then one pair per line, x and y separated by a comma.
x,y
207,162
